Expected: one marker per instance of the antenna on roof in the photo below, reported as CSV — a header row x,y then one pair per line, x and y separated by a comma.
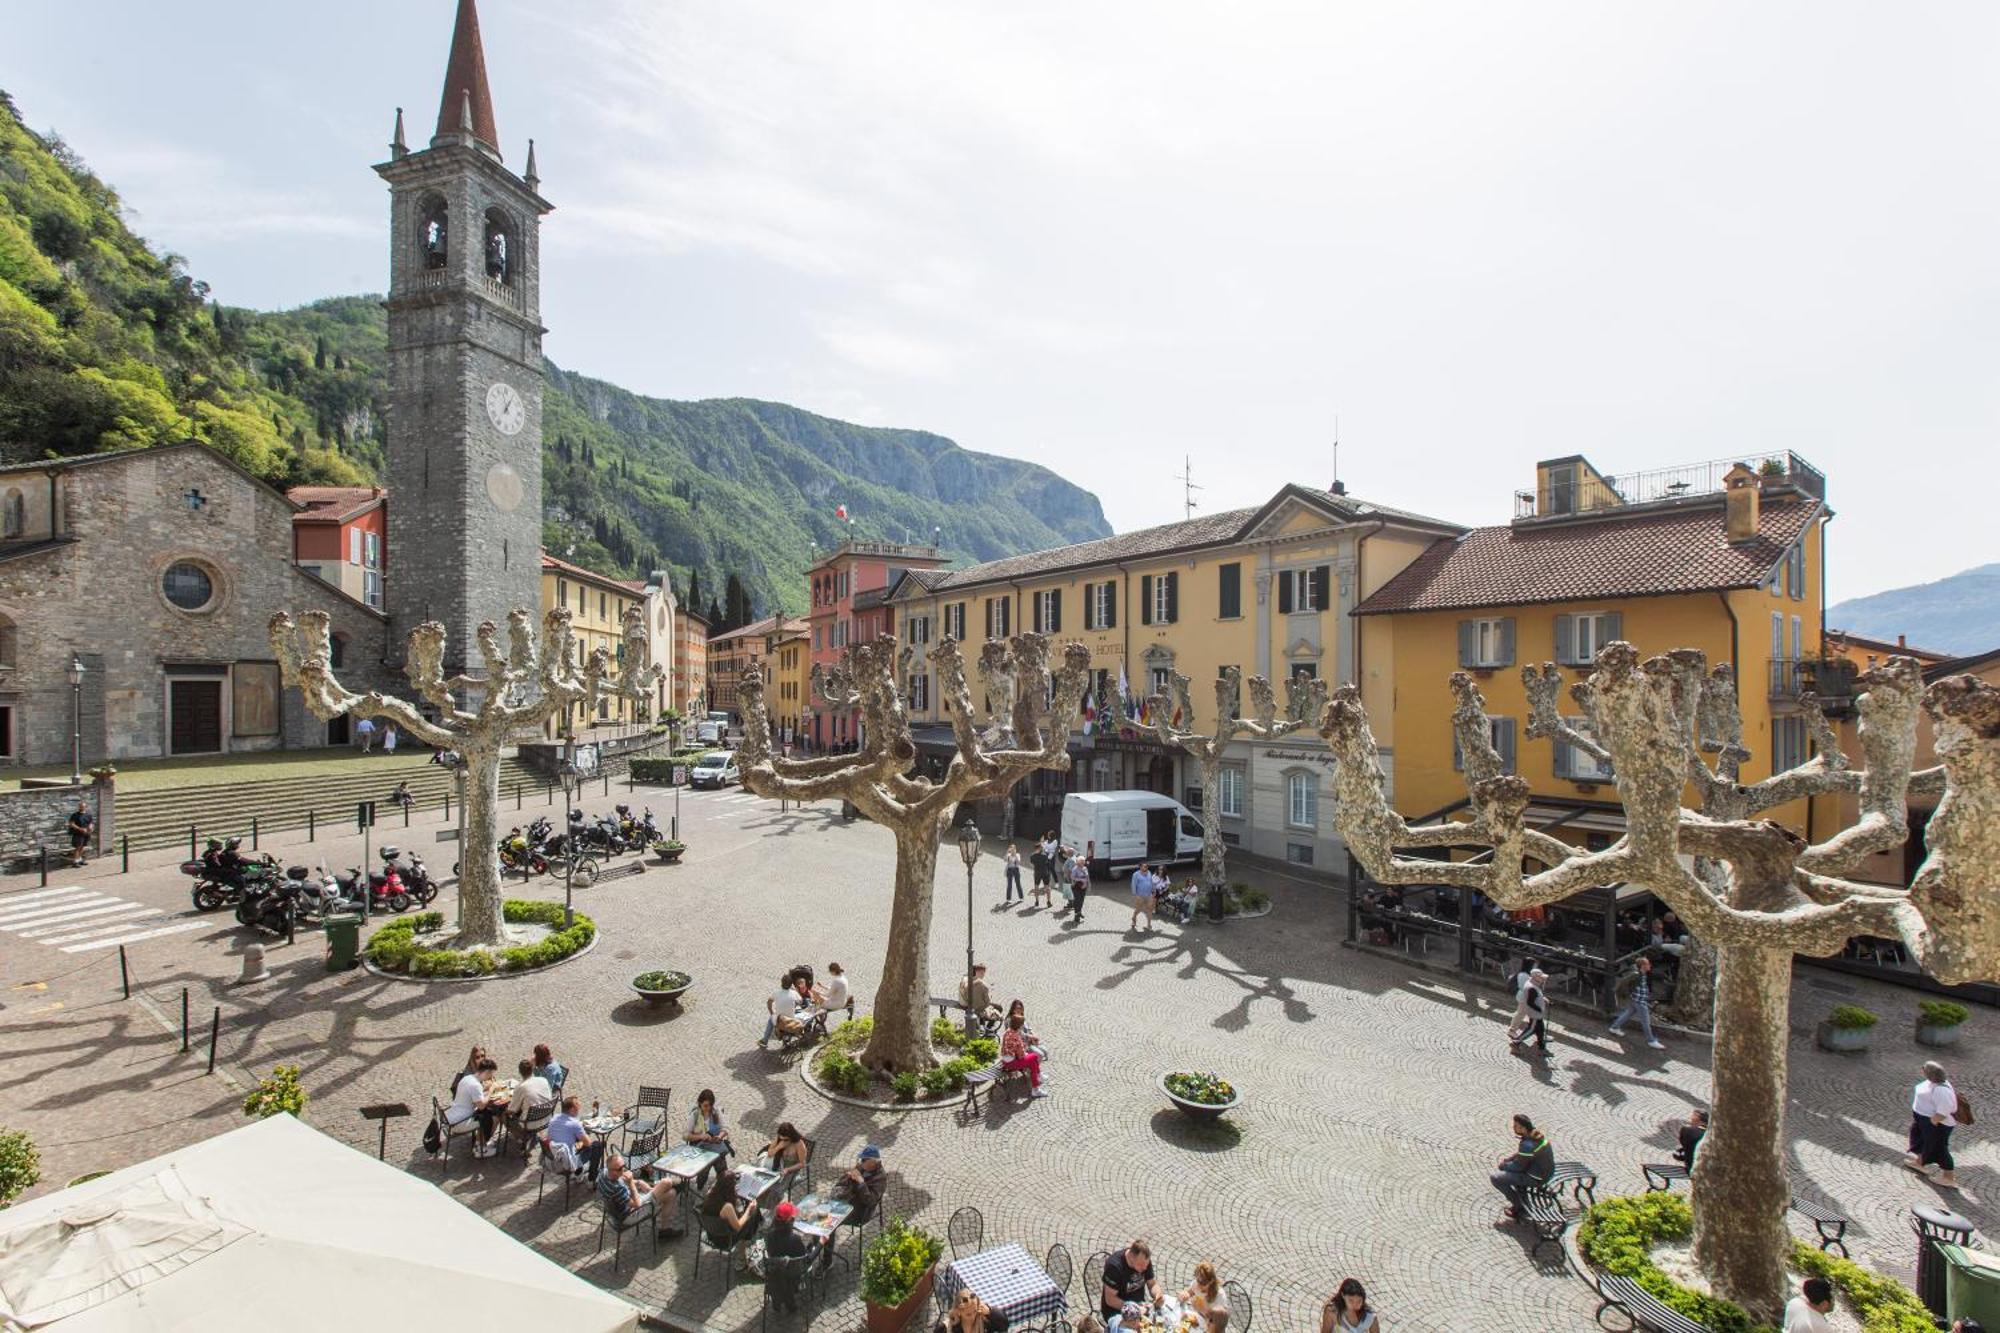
x,y
1339,487
1188,487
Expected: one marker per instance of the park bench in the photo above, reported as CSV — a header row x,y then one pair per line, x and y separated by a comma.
x,y
1829,1222
988,1082
1543,1211
1579,1179
988,1027
1640,1306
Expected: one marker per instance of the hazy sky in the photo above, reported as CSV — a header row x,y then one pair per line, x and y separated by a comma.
x,y
1108,236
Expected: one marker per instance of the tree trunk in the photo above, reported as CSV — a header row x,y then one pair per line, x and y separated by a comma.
x,y
1740,1186
479,890
1213,848
1694,985
900,1040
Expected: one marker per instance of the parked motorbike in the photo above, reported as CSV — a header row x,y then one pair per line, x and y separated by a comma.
x,y
269,905
384,891
520,855
416,876
315,896
606,835
638,830
221,876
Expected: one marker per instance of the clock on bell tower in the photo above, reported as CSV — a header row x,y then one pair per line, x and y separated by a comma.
x,y
465,368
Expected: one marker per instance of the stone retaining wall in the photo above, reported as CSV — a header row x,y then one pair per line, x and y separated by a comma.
x,y
39,817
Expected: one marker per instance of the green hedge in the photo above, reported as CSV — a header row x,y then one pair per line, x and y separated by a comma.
x,y
393,948
1618,1236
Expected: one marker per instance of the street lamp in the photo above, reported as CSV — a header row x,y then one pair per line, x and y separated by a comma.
x,y
76,720
968,850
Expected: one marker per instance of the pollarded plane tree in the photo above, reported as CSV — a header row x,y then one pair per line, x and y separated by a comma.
x,y
1304,700
524,685
1771,896
1031,712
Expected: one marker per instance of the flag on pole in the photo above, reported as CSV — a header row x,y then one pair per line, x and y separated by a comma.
x,y
1125,694
1089,714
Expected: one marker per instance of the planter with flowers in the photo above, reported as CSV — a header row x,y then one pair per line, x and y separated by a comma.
x,y
1199,1096
897,1269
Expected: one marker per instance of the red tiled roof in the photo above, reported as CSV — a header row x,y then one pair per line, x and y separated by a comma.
x,y
1677,550
332,504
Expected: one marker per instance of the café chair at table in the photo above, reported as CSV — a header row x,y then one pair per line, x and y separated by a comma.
x,y
1093,1279
1240,1307
633,1220
464,1129
643,1151
965,1231
554,1164
1060,1270
713,1234
529,1127
654,1100
785,1279
804,1169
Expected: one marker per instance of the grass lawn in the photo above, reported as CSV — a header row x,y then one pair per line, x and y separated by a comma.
x,y
205,770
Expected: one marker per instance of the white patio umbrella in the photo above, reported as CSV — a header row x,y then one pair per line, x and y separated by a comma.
x,y
276,1225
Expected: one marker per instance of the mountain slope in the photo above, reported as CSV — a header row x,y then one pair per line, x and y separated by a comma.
x,y
105,344
1959,614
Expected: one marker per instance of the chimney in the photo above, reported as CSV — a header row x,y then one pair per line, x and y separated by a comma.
x,y
1740,495
1339,487
1902,641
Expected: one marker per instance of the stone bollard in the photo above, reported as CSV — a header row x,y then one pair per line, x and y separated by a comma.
x,y
253,965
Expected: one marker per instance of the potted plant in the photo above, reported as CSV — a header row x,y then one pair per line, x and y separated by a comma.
x,y
1199,1096
661,986
1938,1022
277,1093
20,1164
897,1269
1846,1028
669,849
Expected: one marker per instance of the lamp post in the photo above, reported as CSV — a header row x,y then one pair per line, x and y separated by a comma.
x,y
76,720
968,849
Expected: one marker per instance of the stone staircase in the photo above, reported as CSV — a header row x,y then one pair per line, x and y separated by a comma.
x,y
162,817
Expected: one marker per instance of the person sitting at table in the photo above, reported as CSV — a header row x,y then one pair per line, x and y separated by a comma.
x,y
786,1154
1348,1311
786,999
1128,1276
969,1314
785,1241
729,1222
547,1067
1205,1297
531,1095
705,1131
471,1067
834,994
977,996
1014,1054
566,1132
625,1194
861,1187
473,1100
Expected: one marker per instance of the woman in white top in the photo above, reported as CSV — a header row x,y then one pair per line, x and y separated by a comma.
x,y
1013,874
1933,1115
1347,1311
834,994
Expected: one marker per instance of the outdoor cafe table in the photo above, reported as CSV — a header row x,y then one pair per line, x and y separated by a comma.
x,y
686,1161
1009,1281
752,1181
818,1216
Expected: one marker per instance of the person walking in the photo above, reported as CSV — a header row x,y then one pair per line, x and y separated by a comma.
x,y
1934,1113
81,823
365,730
1535,1007
1079,887
1638,1004
1532,1162
389,738
1013,874
1144,886
1517,1026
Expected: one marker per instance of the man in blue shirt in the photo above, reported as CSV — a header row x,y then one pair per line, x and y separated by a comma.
x,y
567,1130
1144,886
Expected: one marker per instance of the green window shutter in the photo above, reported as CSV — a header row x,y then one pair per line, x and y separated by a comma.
x,y
1145,599
1467,647
1507,646
1284,592
1566,642
1110,604
1322,585
1503,741
1229,591
1614,626
1055,611
1565,760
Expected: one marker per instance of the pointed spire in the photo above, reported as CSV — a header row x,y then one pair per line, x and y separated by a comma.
x,y
467,104
398,147
530,176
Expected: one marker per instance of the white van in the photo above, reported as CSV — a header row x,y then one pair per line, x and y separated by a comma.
x,y
1121,829
715,769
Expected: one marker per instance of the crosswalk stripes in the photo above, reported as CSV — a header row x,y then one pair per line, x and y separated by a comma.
x,y
77,920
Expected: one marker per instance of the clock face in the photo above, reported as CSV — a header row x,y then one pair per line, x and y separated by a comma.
x,y
504,488
505,408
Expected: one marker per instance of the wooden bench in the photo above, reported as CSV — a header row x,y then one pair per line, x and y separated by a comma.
x,y
1640,1306
947,1008
1831,1224
1579,1179
988,1082
1543,1211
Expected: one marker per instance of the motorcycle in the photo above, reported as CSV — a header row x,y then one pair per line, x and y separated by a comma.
x,y
384,891
521,856
219,883
416,876
269,905
638,830
605,833
315,896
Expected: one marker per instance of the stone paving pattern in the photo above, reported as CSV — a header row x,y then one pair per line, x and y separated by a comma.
x,y
1377,1096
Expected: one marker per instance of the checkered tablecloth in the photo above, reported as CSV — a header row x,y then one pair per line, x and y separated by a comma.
x,y
1009,1281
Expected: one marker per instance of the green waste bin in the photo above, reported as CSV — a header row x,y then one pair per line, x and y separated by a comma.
x,y
1971,1284
343,942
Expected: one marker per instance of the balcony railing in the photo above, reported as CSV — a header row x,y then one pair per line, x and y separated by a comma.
x,y
1830,679
1586,493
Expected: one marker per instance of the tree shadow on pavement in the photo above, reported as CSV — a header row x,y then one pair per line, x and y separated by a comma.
x,y
1190,953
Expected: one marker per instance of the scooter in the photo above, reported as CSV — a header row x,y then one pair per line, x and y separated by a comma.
x,y
416,876
316,896
382,890
271,905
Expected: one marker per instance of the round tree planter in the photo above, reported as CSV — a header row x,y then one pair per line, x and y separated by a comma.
x,y
1938,1034
1197,1110
670,995
669,855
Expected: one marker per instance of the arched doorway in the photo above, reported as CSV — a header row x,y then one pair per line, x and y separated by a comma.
x,y
1160,775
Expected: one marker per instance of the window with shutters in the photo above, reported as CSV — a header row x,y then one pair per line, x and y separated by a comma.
x,y
917,630
1048,611
1229,794
1302,800
1166,601
1100,605
1798,639
1579,638
1487,642
997,613
1790,743
1229,592
1795,576
1163,680
1579,765
954,621
1503,745
919,696
1305,671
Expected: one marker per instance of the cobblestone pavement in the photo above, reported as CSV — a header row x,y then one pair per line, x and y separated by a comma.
x,y
1377,1096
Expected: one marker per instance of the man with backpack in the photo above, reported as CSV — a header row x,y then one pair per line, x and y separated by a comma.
x,y
1532,1163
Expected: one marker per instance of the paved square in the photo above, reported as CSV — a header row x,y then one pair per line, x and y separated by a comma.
x,y
1376,1096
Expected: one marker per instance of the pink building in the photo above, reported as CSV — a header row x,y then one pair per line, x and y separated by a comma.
x,y
849,587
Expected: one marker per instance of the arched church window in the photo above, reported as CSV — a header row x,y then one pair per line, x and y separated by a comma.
x,y
500,255
14,513
434,234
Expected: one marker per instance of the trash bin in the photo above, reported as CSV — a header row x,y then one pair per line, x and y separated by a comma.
x,y
1971,1284
343,942
1935,1225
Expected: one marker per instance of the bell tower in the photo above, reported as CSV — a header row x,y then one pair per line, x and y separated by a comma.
x,y
465,368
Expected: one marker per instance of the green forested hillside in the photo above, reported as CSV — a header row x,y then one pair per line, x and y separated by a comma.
x,y
106,345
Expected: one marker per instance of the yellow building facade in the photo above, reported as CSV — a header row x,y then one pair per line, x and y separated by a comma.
x,y
1267,589
1726,559
597,604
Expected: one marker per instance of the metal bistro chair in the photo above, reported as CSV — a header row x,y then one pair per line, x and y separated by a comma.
x,y
1060,1270
785,1281
1240,1308
805,1170
447,1131
552,1165
529,1127
1093,1280
643,1151
965,1231
713,1234
642,1216
637,1123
